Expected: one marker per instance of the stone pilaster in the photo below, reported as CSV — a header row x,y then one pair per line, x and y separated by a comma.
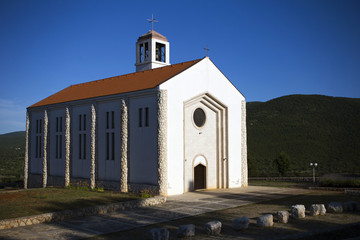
x,y
67,147
93,151
45,132
26,159
124,147
244,165
162,142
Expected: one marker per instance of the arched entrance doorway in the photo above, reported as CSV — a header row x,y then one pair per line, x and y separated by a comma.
x,y
199,177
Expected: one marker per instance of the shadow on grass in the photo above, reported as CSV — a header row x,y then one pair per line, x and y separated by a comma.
x,y
58,205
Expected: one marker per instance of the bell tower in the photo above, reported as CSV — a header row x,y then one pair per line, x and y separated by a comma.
x,y
152,51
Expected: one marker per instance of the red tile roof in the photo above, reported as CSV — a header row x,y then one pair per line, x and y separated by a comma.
x,y
115,85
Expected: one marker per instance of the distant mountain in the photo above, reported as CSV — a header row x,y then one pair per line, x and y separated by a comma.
x,y
12,140
12,149
309,128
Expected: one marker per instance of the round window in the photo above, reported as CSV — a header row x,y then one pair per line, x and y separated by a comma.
x,y
199,117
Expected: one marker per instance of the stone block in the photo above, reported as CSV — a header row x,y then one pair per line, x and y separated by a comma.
x,y
186,230
159,233
240,223
13,224
298,211
317,209
335,207
265,220
282,216
350,206
35,221
213,227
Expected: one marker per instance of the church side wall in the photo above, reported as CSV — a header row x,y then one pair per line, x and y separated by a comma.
x,y
56,142
81,139
143,165
109,140
36,162
200,78
73,140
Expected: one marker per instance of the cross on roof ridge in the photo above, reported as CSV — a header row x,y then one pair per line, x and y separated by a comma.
x,y
206,50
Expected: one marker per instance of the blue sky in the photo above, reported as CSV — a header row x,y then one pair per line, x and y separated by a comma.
x,y
266,48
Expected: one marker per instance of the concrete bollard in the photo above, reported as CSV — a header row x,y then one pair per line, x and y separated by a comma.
x,y
186,230
350,206
266,220
282,216
213,227
335,207
317,209
159,233
298,211
240,223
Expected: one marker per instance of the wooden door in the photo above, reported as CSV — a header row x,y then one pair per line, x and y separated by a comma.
x,y
200,177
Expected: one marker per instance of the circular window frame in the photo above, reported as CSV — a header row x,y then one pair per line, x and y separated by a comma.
x,y
193,118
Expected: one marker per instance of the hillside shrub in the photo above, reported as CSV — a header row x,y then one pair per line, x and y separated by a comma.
x,y
340,183
282,163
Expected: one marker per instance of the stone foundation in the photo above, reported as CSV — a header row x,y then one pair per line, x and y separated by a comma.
x,y
35,180
56,181
152,189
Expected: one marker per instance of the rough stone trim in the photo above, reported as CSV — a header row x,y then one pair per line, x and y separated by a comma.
x,y
124,147
35,180
66,214
26,158
67,147
45,149
93,150
162,141
244,166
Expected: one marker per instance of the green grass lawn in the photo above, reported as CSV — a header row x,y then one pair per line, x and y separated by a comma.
x,y
37,201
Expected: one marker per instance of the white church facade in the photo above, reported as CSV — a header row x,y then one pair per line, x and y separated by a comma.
x,y
166,128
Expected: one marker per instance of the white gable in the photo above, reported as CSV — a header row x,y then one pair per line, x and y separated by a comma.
x,y
203,77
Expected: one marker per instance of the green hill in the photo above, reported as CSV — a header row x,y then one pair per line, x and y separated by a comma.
x,y
309,128
12,148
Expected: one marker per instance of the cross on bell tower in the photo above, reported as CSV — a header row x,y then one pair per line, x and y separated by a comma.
x,y
152,20
152,50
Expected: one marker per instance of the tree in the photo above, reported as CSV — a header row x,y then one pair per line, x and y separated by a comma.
x,y
282,162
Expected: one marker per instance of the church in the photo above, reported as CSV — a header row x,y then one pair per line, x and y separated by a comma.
x,y
165,128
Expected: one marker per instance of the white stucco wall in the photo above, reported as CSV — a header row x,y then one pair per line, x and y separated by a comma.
x,y
201,142
36,164
109,169
56,165
81,167
200,78
143,161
